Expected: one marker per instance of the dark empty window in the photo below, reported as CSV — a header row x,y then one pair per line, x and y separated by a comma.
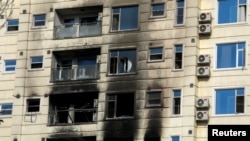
x,y
180,11
36,62
176,102
178,60
118,107
33,105
122,61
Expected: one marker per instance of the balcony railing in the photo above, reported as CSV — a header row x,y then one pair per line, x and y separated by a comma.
x,y
72,116
76,30
76,73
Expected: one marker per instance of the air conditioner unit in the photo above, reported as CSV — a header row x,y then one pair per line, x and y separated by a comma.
x,y
95,103
203,59
204,28
201,115
205,17
202,102
203,71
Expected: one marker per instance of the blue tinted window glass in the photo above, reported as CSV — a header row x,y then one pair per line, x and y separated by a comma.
x,y
129,18
86,62
180,3
37,59
40,17
13,22
175,138
225,101
156,51
7,106
116,10
242,1
10,62
177,93
158,7
178,48
240,91
227,11
226,55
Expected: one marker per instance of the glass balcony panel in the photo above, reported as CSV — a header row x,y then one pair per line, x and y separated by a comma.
x,y
90,29
89,72
66,31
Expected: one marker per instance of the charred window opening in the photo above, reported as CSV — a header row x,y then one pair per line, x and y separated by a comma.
x,y
33,105
152,139
119,139
73,108
120,105
176,102
91,138
76,65
122,61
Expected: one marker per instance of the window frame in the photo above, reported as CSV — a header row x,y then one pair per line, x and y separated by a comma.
x,y
117,64
159,16
11,66
28,105
119,21
7,26
147,105
173,102
31,63
6,115
237,14
35,21
182,59
177,15
237,67
156,54
235,112
115,108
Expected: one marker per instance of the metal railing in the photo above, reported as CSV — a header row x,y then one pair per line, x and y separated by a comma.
x,y
76,73
72,116
78,30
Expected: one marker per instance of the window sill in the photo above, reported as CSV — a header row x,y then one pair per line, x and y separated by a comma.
x,y
32,113
230,24
155,61
230,69
11,72
38,27
11,32
120,31
5,116
179,25
40,69
121,74
156,17
120,118
229,115
177,70
176,115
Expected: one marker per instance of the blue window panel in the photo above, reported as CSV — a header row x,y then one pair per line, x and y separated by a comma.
x,y
225,101
240,91
37,59
10,69
156,51
178,48
227,11
180,3
226,56
116,10
242,1
13,22
177,93
6,106
157,7
6,109
40,17
129,18
10,62
175,138
241,54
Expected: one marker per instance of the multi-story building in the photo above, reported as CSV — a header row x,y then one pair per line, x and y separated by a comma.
x,y
110,70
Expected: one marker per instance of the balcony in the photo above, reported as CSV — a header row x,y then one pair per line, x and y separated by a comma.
x,y
76,73
73,108
76,30
72,116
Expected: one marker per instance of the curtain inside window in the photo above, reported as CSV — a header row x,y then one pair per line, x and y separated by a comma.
x,y
242,13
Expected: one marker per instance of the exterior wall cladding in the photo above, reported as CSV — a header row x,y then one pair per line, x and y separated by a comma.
x,y
110,70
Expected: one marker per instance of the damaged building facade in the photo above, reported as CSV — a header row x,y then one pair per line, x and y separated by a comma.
x,y
127,70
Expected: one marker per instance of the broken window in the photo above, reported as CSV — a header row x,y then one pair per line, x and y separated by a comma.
x,y
33,105
122,61
118,107
153,99
176,102
73,108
